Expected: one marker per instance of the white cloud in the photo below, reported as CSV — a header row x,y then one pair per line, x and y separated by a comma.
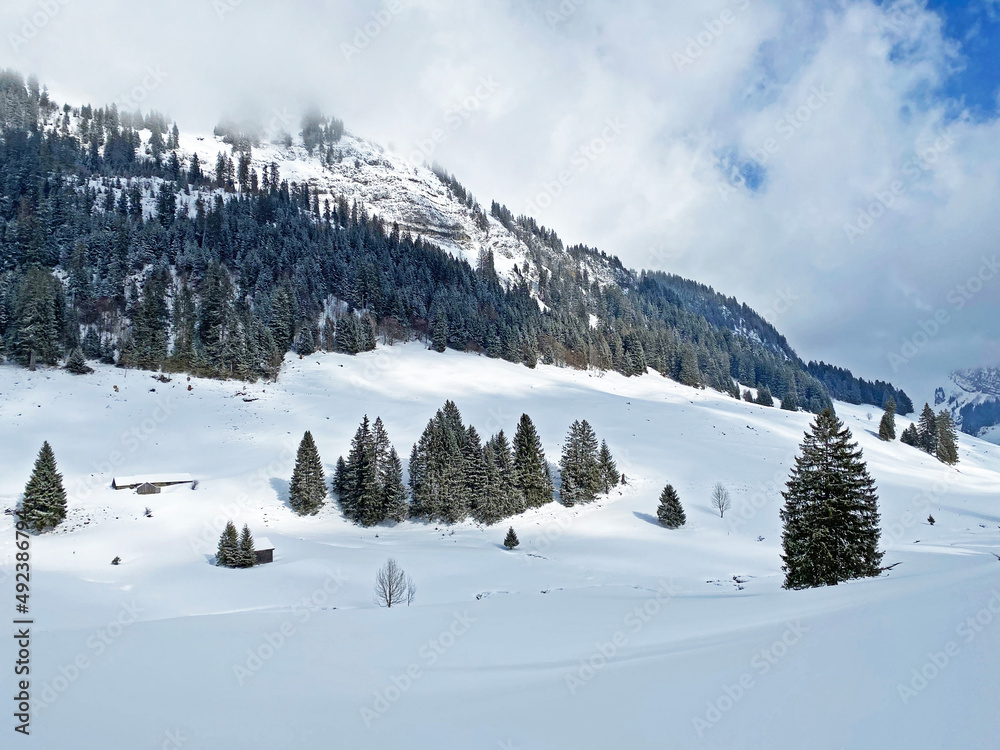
x,y
692,83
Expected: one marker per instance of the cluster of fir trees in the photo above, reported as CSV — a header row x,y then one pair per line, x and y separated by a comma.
x,y
844,386
934,434
765,398
236,551
830,516
369,483
453,475
585,469
225,288
44,504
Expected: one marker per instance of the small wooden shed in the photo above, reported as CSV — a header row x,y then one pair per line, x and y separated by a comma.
x,y
263,549
147,488
157,480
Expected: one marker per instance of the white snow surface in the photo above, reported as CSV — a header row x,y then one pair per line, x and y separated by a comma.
x,y
601,630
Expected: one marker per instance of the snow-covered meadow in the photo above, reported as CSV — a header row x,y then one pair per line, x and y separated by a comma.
x,y
601,630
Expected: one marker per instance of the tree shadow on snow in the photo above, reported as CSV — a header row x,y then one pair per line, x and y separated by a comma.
x,y
281,489
646,517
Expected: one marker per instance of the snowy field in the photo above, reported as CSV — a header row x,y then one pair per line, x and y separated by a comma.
x,y
602,630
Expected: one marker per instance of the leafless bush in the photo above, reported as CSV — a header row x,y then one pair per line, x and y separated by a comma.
x,y
720,499
393,586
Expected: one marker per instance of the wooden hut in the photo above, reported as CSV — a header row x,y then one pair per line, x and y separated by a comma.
x,y
157,480
147,488
263,549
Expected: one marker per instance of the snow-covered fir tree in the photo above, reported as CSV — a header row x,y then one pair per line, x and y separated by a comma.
x,y
510,501
76,363
307,489
927,432
669,512
531,470
510,541
580,467
44,503
887,425
369,482
609,469
246,557
947,438
394,505
831,517
229,547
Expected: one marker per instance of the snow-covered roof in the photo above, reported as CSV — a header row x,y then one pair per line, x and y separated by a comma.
x,y
262,543
136,479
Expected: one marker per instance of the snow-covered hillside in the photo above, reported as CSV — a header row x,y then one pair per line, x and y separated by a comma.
x,y
974,401
385,184
601,630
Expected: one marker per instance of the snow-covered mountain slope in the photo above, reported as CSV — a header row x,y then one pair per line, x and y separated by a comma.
x,y
600,630
385,184
974,401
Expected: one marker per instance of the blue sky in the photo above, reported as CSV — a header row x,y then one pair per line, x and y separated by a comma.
x,y
975,26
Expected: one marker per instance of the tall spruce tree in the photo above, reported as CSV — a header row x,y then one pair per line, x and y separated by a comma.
x,y
531,470
44,503
491,508
887,426
609,469
229,547
510,499
394,505
476,477
831,517
307,490
437,469
580,468
927,432
670,513
246,557
947,438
